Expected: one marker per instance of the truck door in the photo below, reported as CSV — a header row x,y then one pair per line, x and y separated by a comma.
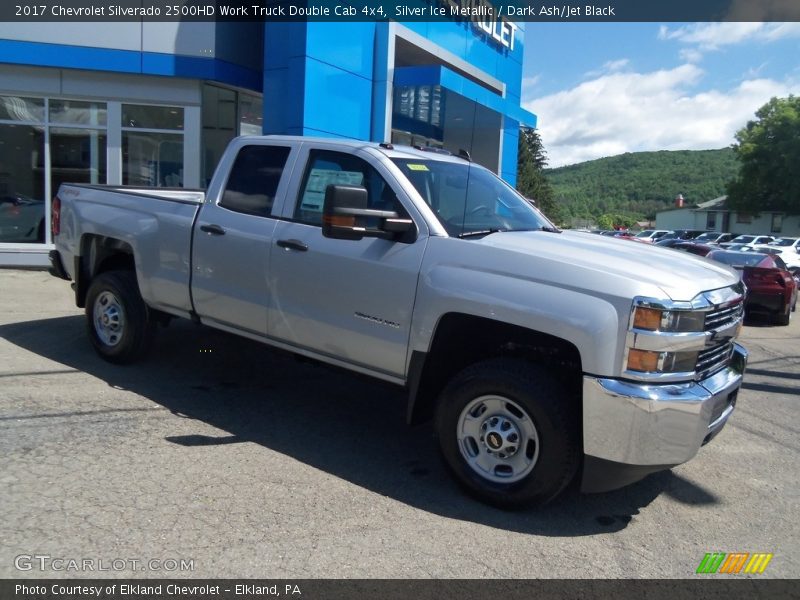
x,y
233,237
349,300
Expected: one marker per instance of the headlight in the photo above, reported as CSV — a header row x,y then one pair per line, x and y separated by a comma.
x,y
675,341
656,319
649,361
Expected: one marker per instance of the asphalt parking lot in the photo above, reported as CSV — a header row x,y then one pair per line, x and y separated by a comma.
x,y
244,462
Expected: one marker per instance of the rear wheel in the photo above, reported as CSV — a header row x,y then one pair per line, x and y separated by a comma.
x,y
120,324
784,317
509,433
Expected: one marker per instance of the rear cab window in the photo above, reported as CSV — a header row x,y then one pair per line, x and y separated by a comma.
x,y
253,181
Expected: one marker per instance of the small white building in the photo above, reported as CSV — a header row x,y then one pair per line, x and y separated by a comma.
x,y
714,215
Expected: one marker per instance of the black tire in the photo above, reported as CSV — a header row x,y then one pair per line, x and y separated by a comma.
x,y
120,324
783,318
508,387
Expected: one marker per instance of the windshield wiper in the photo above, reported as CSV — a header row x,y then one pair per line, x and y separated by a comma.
x,y
550,229
478,232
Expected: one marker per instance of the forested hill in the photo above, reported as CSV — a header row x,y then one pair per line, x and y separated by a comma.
x,y
640,183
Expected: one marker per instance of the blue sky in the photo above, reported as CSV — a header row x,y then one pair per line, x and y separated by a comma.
x,y
601,89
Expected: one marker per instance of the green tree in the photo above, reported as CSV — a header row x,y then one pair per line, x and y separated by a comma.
x,y
768,150
531,180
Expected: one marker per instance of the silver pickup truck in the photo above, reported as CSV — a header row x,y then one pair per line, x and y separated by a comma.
x,y
540,353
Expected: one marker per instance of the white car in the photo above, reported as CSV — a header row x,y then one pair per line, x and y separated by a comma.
x,y
749,240
787,244
650,235
714,238
789,256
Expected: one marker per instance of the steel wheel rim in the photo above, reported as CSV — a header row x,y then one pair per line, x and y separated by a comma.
x,y
498,439
109,319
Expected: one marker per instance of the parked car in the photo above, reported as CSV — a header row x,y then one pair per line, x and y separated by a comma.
x,y
669,242
650,235
21,219
694,248
749,240
714,237
786,243
738,247
771,288
683,234
792,259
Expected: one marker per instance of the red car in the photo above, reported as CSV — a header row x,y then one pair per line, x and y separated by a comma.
x,y
771,288
694,248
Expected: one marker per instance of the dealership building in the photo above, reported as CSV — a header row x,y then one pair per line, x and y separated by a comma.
x,y
155,103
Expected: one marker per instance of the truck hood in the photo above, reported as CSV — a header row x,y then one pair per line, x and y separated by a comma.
x,y
678,274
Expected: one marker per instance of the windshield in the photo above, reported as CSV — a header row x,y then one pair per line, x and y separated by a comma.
x,y
703,237
743,239
737,259
783,242
469,200
645,233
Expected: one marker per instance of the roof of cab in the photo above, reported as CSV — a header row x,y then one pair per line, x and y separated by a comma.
x,y
390,150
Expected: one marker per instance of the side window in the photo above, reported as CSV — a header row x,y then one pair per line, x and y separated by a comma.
x,y
334,168
254,179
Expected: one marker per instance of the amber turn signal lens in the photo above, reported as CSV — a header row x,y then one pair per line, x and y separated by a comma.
x,y
647,318
643,360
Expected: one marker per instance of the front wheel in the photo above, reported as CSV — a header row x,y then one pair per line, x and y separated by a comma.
x,y
509,433
120,324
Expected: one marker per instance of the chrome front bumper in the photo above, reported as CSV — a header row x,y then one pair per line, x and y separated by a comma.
x,y
645,425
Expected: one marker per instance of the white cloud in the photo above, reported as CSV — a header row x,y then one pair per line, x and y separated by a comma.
x,y
660,110
609,66
712,36
691,55
529,85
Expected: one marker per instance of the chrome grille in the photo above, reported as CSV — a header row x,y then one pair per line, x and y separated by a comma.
x,y
713,359
723,316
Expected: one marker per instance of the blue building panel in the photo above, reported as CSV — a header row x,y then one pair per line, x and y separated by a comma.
x,y
69,57
348,46
127,61
283,41
337,101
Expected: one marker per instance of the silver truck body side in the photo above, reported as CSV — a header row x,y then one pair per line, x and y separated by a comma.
x,y
157,229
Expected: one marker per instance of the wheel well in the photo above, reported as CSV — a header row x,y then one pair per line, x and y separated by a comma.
x,y
98,255
461,340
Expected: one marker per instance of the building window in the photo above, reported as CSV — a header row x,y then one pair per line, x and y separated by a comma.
x,y
44,143
711,221
434,116
22,184
744,218
152,145
777,223
226,114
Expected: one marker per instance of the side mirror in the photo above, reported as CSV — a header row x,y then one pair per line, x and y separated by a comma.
x,y
345,216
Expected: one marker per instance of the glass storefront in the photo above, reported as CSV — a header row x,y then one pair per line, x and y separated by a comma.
x,y
151,154
226,114
45,142
22,192
430,115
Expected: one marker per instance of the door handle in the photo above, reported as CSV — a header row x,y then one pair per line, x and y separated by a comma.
x,y
292,245
213,229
